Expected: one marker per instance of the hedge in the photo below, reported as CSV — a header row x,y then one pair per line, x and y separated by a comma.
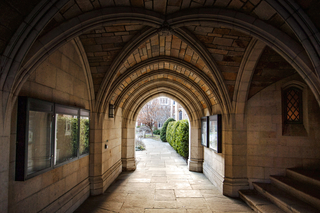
x,y
169,132
182,138
178,136
163,132
156,132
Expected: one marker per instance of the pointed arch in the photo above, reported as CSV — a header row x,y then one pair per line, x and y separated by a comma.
x,y
183,83
246,71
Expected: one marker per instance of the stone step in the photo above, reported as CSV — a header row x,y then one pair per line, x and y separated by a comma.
x,y
283,200
305,176
258,202
305,192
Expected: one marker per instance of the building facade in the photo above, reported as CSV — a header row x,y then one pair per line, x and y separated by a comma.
x,y
167,109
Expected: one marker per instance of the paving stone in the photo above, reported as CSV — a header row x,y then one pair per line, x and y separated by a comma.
x,y
136,195
165,195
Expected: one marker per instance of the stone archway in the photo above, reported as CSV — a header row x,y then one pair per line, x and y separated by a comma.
x,y
130,113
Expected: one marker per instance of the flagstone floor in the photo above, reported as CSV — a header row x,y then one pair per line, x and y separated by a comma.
x,y
161,184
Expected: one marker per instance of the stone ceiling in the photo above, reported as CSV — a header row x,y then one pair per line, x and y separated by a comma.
x,y
226,46
223,47
270,69
102,45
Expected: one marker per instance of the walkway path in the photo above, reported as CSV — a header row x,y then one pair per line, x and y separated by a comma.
x,y
161,184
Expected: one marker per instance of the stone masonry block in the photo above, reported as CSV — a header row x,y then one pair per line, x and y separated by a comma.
x,y
223,41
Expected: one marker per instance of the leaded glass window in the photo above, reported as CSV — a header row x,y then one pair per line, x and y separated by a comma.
x,y
292,105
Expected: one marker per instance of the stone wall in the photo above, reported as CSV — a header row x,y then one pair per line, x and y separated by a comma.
x,y
60,79
111,156
213,167
268,151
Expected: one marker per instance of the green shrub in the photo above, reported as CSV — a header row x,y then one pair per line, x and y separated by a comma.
x,y
170,132
182,138
163,132
156,132
178,136
174,135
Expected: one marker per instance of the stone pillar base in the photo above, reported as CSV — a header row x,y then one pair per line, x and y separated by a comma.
x,y
232,186
96,185
99,183
128,164
215,178
195,165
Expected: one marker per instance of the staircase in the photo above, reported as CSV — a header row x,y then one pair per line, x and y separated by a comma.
x,y
298,191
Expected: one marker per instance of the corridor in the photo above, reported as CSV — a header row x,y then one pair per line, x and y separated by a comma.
x,y
161,184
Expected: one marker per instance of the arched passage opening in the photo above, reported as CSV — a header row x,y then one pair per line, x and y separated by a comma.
x,y
129,120
152,121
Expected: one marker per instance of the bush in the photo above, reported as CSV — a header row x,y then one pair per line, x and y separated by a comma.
x,y
174,135
178,137
163,132
182,138
156,132
170,132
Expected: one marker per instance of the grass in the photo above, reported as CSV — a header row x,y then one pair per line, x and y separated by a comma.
x,y
155,137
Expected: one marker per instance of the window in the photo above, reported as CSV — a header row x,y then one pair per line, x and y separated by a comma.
x,y
66,134
84,132
215,133
204,133
164,101
293,110
48,135
292,98
211,132
180,115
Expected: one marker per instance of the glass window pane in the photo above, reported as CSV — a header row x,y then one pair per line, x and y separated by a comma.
x,y
213,132
39,141
204,132
84,135
66,138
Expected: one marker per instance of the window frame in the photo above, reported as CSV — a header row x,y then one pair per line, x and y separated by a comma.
x,y
180,115
205,121
284,105
164,101
24,108
218,118
204,135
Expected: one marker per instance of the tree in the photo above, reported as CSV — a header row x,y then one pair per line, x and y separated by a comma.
x,y
152,113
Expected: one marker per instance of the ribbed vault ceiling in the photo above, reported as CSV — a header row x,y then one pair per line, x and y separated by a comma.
x,y
204,58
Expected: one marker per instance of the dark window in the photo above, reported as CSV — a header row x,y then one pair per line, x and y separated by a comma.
x,y
180,115
292,105
48,136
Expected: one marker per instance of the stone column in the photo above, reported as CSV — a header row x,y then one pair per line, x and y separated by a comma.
x,y
128,146
96,146
195,161
5,124
235,145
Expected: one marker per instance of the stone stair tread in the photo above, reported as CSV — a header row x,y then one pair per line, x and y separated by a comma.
x,y
258,202
283,199
308,189
311,174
